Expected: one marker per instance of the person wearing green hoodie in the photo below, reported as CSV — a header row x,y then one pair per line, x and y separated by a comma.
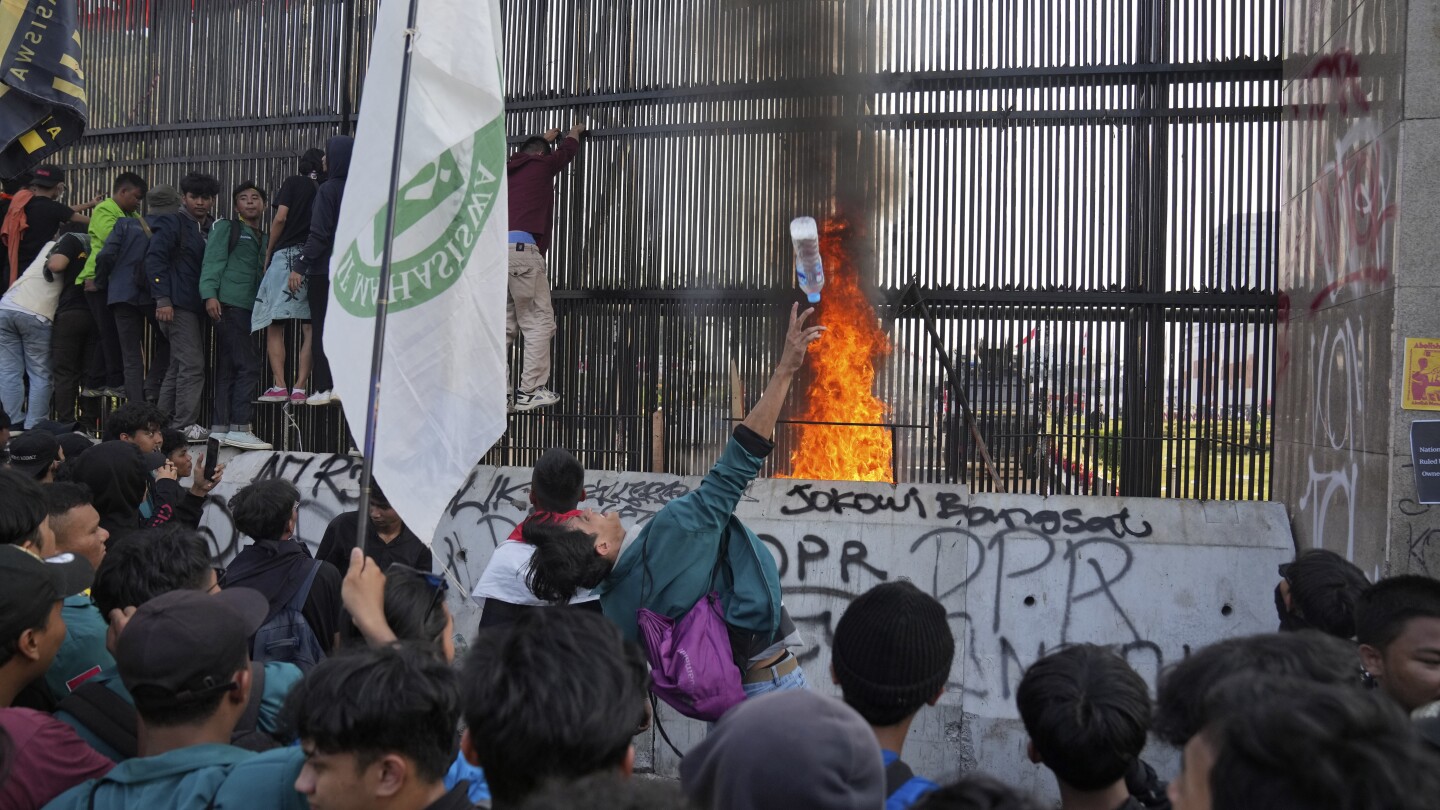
x,y
229,279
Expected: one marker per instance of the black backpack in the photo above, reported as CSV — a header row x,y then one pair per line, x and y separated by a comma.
x,y
286,635
116,722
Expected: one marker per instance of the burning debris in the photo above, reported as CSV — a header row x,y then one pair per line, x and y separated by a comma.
x,y
842,388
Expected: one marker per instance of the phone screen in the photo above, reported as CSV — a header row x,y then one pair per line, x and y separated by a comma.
x,y
212,457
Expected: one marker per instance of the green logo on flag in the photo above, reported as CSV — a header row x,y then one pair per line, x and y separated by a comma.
x,y
439,217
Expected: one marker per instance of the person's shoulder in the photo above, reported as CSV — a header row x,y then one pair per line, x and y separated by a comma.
x,y
264,780
281,677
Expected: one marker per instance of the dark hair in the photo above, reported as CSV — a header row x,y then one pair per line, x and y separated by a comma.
x,y
133,417
378,496
34,616
1310,655
1287,744
373,702
411,606
977,791
558,482
535,145
1390,603
248,185
564,561
1324,588
607,791
558,693
262,510
1087,713
130,180
141,566
311,161
22,508
173,440
199,184
62,496
157,706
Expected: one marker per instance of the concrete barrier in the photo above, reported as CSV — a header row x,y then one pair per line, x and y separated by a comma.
x,y
1020,576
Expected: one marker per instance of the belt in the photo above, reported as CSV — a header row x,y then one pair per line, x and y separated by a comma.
x,y
787,665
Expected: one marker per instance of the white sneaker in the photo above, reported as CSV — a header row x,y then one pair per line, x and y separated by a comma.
x,y
319,398
245,440
539,398
196,433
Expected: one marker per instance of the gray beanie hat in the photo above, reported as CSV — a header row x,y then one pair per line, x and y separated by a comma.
x,y
792,749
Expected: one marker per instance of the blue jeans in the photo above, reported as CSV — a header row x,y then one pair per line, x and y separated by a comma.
x,y
792,680
24,349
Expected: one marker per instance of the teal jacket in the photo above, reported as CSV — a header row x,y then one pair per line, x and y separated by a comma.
x,y
667,566
232,276
194,778
84,647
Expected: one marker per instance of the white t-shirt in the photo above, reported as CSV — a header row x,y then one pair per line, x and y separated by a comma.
x,y
504,577
31,293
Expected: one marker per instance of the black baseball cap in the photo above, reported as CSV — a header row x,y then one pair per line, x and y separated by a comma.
x,y
26,580
47,176
33,451
184,646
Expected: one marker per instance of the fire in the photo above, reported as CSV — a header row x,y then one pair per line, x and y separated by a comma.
x,y
844,378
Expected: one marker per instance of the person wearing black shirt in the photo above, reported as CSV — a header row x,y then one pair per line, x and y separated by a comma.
x,y
276,564
280,300
387,539
43,212
74,327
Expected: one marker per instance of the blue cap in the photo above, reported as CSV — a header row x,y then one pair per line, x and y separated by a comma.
x,y
814,298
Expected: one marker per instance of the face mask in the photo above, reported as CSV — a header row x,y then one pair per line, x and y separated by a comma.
x,y
1288,621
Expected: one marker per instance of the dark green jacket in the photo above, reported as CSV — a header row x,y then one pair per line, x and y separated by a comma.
x,y
233,276
667,566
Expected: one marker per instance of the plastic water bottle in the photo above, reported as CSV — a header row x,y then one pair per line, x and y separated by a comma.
x,y
809,269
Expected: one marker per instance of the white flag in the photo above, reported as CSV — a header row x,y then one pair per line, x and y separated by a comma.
x,y
442,395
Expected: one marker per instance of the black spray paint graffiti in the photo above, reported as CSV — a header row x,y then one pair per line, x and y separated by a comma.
x,y
641,500
1048,522
836,502
1093,567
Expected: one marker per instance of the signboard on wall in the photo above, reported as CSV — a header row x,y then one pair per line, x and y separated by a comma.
x,y
1421,385
1425,453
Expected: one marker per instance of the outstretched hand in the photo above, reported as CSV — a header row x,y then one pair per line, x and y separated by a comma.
x,y
798,339
363,594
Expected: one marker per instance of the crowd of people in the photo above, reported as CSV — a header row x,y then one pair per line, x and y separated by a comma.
x,y
135,673
85,285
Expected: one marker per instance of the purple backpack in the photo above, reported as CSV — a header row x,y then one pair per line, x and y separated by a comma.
x,y
692,668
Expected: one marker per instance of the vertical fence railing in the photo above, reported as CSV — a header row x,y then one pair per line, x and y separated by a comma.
x,y
1084,191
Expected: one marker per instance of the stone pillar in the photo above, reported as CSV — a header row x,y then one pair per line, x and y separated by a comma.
x,y
1359,267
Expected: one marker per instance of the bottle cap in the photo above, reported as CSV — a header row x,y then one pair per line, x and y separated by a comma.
x,y
814,298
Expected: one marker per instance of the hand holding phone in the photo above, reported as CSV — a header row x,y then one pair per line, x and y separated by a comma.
x,y
212,457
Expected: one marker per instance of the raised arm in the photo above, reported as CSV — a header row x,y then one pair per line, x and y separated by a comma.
x,y
798,338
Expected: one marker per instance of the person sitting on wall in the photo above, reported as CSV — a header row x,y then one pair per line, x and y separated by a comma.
x,y
557,486
693,544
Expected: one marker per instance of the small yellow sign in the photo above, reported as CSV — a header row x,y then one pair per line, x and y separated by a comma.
x,y
1422,375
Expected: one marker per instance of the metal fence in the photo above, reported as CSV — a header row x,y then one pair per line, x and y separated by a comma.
x,y
1083,190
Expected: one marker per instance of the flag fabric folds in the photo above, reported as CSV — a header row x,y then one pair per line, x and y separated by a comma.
x,y
442,397
42,89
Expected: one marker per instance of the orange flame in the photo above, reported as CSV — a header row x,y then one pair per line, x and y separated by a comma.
x,y
844,378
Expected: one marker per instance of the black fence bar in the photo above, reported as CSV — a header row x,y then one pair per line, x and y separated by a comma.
x,y
1086,192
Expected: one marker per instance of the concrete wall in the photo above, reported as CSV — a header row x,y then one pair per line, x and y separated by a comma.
x,y
1358,274
1020,575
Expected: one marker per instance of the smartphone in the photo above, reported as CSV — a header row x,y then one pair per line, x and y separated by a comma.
x,y
212,457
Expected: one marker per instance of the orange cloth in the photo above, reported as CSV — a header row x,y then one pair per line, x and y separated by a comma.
x,y
14,228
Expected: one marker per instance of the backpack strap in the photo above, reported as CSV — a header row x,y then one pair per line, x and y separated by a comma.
x,y
897,774
236,229
107,716
297,600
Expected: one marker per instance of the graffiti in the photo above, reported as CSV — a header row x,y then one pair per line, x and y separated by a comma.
x,y
1050,522
1018,576
634,499
1330,490
834,501
1420,540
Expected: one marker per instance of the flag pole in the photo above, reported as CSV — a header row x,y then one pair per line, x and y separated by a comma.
x,y
382,295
